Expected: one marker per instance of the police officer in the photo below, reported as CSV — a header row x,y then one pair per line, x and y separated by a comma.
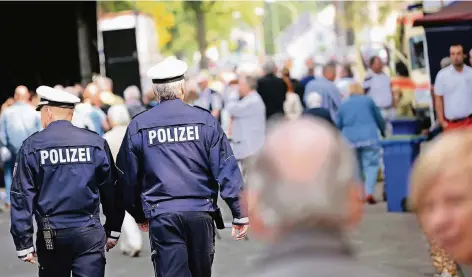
x,y
61,175
173,161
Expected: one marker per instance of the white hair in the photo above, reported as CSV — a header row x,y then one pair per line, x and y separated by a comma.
x,y
282,202
314,100
119,115
251,81
132,93
445,62
269,67
169,91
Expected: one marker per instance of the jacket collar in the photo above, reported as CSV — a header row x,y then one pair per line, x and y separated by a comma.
x,y
59,123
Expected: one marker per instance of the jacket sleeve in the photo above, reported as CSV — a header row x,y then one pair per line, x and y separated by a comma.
x,y
129,177
3,130
226,172
23,196
111,197
379,120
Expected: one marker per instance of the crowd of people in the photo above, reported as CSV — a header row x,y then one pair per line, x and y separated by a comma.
x,y
246,102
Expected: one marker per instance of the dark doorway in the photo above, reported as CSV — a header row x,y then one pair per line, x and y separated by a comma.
x,y
39,43
121,59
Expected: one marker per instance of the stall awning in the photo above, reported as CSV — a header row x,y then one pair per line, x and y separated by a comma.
x,y
455,13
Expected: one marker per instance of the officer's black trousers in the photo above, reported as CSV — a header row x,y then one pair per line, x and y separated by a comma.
x,y
77,250
183,244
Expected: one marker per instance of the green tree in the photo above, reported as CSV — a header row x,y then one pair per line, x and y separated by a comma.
x,y
114,6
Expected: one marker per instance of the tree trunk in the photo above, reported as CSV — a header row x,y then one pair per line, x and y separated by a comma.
x,y
201,34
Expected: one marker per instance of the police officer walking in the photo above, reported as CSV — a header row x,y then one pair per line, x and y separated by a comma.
x,y
174,159
61,175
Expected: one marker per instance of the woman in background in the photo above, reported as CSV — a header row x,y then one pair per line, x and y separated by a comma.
x,y
130,241
360,121
292,106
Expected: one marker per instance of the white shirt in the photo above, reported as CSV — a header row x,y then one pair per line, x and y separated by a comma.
x,y
248,131
378,87
456,89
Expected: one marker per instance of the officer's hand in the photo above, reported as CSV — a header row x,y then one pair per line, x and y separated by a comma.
x,y
111,242
30,258
144,227
239,231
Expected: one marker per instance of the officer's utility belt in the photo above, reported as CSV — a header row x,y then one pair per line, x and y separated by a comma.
x,y
218,218
48,234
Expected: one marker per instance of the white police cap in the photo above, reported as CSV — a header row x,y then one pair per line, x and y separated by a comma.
x,y
168,71
55,97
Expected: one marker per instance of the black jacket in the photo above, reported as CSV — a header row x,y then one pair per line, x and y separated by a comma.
x,y
272,90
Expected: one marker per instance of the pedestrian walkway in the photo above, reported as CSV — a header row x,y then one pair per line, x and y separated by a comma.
x,y
391,242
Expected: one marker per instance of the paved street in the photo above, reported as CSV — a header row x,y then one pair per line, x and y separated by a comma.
x,y
391,242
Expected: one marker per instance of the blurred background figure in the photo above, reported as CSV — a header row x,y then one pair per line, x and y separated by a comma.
x,y
119,118
18,122
310,75
150,99
346,78
132,96
10,101
445,62
208,98
403,88
292,104
377,85
87,114
360,122
191,91
272,89
33,99
441,195
324,85
303,199
230,96
247,123
314,108
104,83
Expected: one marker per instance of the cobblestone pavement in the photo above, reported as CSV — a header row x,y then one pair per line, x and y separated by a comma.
x,y
391,242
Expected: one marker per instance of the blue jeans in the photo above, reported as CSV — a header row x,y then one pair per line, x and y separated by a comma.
x,y
8,178
368,160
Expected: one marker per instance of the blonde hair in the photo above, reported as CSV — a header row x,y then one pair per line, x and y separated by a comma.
x,y
355,89
448,155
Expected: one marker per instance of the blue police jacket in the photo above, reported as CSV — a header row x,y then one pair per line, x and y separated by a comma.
x,y
175,157
61,175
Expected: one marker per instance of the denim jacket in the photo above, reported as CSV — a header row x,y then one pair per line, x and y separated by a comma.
x,y
360,121
17,123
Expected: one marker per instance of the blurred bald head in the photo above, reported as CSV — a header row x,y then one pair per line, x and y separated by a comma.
x,y
298,150
303,176
22,94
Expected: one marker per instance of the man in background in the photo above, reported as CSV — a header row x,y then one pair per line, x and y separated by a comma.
x,y
209,99
314,108
303,198
324,85
88,115
132,96
247,123
378,85
17,123
272,90
310,76
453,92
